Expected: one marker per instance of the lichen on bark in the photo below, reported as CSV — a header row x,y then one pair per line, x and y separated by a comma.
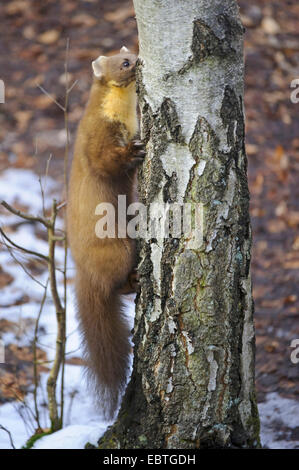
x,y
192,384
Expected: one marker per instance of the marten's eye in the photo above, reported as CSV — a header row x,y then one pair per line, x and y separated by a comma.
x,y
126,63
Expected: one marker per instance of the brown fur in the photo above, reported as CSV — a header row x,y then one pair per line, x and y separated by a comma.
x,y
103,167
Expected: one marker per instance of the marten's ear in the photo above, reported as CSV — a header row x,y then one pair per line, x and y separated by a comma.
x,y
124,49
98,66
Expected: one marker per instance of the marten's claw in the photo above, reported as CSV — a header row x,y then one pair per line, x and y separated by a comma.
x,y
138,148
140,154
136,154
138,143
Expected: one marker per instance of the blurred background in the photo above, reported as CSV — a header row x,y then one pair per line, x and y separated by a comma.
x,y
33,40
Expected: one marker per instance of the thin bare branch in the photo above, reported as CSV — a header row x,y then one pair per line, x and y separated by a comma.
x,y
9,435
40,182
23,266
51,97
35,363
31,218
56,421
60,206
72,86
25,250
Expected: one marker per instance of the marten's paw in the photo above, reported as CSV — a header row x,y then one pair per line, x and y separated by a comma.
x,y
133,279
136,154
132,284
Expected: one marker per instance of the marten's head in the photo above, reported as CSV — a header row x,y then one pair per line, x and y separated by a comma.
x,y
117,70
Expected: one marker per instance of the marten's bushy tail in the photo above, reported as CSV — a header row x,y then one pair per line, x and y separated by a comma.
x,y
106,342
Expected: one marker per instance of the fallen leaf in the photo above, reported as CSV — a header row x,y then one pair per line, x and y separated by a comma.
x,y
271,347
294,264
270,26
290,299
292,219
42,101
49,37
5,278
83,19
23,117
276,226
76,361
295,245
258,183
119,15
16,7
12,386
251,149
258,212
31,52
273,303
29,32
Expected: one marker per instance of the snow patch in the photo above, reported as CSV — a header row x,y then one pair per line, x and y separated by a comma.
x,y
279,421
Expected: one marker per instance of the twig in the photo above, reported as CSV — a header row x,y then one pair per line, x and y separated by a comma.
x,y
60,316
35,362
66,159
22,266
72,396
25,250
9,435
31,218
60,206
51,97
72,86
41,186
27,422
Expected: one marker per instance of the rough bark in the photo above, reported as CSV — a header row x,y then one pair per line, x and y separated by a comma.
x,y
192,384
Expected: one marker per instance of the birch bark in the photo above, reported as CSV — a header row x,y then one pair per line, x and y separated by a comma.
x,y
193,378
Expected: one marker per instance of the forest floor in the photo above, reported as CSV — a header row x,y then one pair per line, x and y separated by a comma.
x,y
32,52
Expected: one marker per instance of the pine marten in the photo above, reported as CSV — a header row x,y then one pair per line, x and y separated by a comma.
x,y
103,167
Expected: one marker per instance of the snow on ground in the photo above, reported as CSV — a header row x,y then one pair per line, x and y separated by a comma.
x,y
83,423
72,437
279,428
22,187
279,422
79,412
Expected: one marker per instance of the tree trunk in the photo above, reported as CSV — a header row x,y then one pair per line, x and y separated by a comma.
x,y
192,384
